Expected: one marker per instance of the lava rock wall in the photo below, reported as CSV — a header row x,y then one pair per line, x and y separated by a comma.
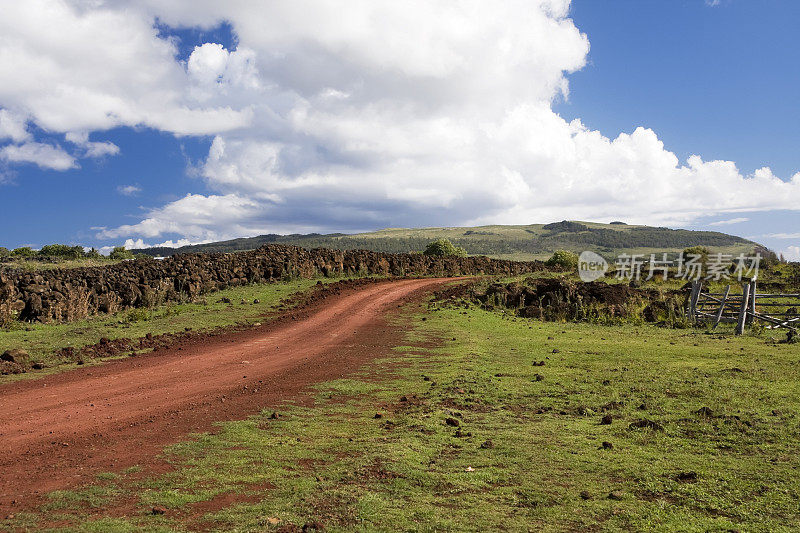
x,y
62,295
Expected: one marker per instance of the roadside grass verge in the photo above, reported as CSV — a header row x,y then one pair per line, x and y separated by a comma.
x,y
43,341
53,263
460,430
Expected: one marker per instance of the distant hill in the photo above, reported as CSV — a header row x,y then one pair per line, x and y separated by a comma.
x,y
535,241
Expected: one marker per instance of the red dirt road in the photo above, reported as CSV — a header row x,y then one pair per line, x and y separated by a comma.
x,y
60,431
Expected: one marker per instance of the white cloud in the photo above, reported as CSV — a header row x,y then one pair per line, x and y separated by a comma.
x,y
13,127
783,235
791,253
91,149
729,222
80,66
129,190
330,116
194,216
45,156
139,244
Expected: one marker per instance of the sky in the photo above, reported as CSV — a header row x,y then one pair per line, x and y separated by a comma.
x,y
167,123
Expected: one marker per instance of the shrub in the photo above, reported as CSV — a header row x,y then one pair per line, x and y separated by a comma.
x,y
564,259
120,253
23,251
93,254
443,247
62,250
696,250
4,252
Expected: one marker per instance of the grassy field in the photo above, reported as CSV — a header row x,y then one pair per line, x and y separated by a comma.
x,y
483,422
42,341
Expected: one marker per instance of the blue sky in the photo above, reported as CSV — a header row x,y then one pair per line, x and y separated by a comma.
x,y
720,80
290,131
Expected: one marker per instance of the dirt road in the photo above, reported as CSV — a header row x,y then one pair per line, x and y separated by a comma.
x,y
61,430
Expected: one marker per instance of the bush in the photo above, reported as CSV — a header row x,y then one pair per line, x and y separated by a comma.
x,y
23,251
696,250
564,259
93,254
4,252
62,250
120,253
443,247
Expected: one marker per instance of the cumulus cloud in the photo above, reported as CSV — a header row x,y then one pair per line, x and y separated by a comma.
x,y
80,66
330,116
193,216
13,127
91,149
139,244
46,156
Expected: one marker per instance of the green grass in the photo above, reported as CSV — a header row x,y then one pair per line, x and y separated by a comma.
x,y
545,469
42,341
33,264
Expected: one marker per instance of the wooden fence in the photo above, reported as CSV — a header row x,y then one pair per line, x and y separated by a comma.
x,y
777,310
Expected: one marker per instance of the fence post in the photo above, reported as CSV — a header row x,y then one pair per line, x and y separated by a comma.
x,y
743,311
693,297
722,307
751,318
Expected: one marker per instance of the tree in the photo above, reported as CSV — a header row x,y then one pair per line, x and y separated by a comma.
x,y
93,254
23,251
4,252
62,250
564,259
443,247
120,253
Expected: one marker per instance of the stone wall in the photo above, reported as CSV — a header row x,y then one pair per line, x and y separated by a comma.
x,y
62,295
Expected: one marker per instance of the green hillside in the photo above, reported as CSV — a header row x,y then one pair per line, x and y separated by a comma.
x,y
534,241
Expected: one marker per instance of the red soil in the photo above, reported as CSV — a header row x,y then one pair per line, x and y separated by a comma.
x,y
61,430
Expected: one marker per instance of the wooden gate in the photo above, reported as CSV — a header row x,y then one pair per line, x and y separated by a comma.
x,y
777,310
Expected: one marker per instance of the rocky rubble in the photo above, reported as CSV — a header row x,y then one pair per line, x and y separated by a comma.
x,y
563,299
70,294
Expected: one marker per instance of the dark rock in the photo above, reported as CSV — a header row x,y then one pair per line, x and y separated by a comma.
x,y
644,423
450,421
705,412
16,355
606,420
